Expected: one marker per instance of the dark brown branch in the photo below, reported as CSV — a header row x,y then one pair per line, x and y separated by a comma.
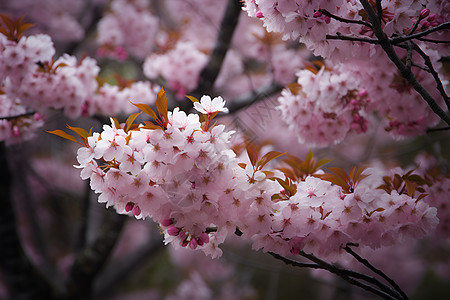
x,y
405,72
433,41
211,70
433,72
379,10
92,258
327,13
366,263
438,129
28,114
404,38
339,272
22,279
342,37
253,97
81,237
115,273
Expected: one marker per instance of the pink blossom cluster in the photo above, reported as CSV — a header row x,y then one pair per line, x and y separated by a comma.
x,y
409,115
58,18
169,174
19,59
304,20
61,84
128,25
321,217
180,66
20,128
324,106
185,176
114,99
438,192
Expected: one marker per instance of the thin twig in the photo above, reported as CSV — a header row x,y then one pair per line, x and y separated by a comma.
x,y
438,129
335,270
254,96
322,265
433,72
433,41
27,114
327,13
419,34
342,37
366,263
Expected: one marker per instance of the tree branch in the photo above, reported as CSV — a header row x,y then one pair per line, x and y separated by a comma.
x,y
366,263
342,37
92,258
327,13
401,39
405,72
433,72
211,70
21,277
253,97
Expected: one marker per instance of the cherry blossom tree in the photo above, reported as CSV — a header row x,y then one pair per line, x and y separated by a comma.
x,y
313,132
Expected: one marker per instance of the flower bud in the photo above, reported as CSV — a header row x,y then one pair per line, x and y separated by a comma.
x,y
327,19
173,230
129,206
424,13
167,222
193,244
431,17
259,15
16,131
136,210
317,14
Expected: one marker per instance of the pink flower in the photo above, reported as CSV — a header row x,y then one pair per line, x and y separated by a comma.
x,y
208,106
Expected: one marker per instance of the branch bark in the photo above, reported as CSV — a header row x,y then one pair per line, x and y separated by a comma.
x,y
92,258
211,70
21,277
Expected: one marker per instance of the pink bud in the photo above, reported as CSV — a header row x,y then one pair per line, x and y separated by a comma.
x,y
259,15
317,14
167,222
184,243
434,24
199,242
129,206
37,116
327,19
204,237
182,235
173,230
431,17
424,13
193,244
425,24
362,93
15,131
136,210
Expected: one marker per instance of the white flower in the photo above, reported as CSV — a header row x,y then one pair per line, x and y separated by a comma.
x,y
206,106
